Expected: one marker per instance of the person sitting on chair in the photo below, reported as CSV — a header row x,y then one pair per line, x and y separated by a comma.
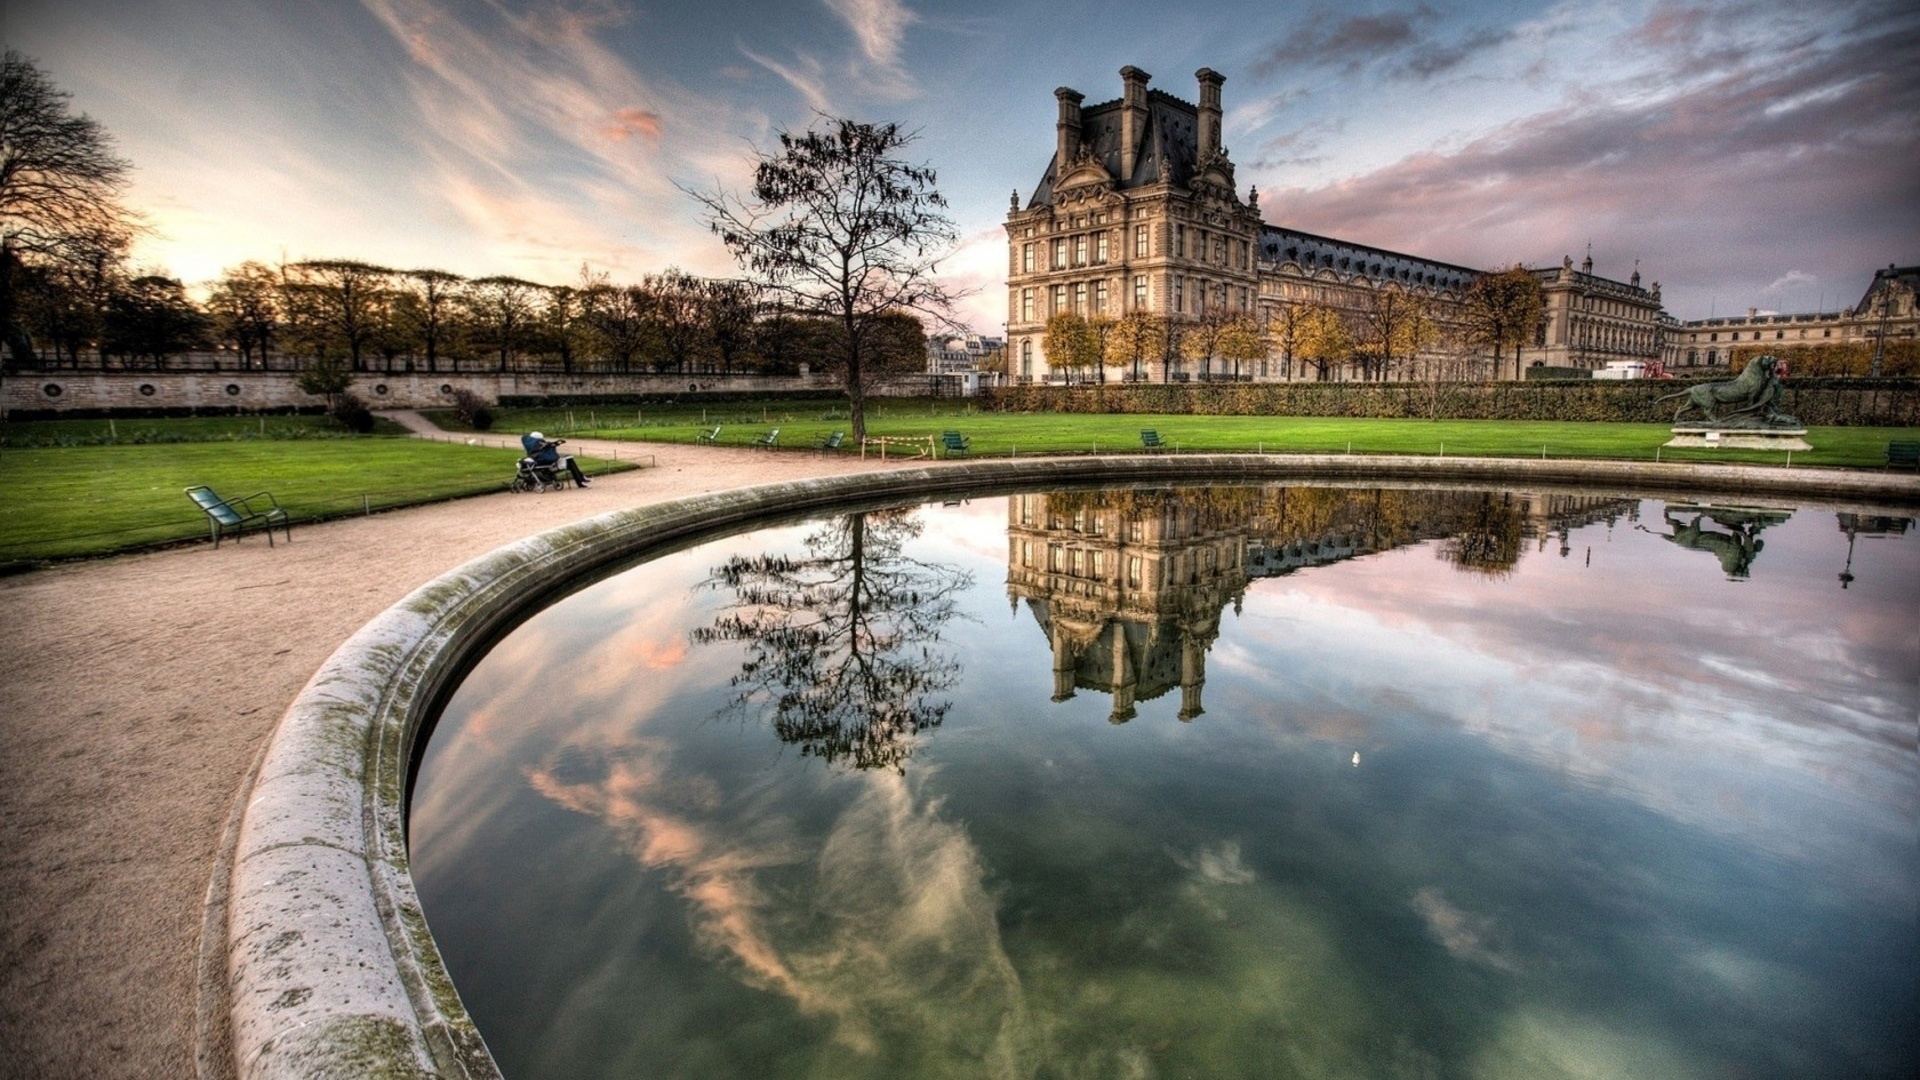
x,y
547,455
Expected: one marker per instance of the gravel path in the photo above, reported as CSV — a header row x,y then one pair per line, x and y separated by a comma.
x,y
135,693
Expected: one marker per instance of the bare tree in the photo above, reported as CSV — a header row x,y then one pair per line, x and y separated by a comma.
x,y
60,187
841,228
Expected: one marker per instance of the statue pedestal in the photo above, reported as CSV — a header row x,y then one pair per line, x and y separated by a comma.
x,y
1710,437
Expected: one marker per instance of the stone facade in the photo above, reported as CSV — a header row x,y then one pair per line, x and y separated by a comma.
x,y
1592,321
962,354
1138,211
35,392
1886,312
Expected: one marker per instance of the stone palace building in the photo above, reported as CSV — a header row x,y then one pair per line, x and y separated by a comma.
x,y
1138,210
1886,314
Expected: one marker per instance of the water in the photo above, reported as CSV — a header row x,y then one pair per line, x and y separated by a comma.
x,y
1290,782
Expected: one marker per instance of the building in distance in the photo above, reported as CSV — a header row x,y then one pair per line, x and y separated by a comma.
x,y
1138,211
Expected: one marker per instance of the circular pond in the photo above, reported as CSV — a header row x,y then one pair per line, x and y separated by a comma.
x,y
1234,781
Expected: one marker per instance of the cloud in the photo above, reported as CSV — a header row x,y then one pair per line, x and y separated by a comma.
x,y
1432,58
880,26
1790,280
808,77
876,69
1648,164
626,123
536,131
1350,43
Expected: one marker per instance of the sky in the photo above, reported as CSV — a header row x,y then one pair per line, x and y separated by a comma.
x,y
1743,153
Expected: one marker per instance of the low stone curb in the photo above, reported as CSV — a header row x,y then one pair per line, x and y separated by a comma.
x,y
328,967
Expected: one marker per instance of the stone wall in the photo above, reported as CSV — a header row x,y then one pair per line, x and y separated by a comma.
x,y
28,394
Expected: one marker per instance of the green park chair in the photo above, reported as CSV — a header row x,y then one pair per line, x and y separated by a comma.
x,y
769,440
1150,439
709,435
955,443
232,517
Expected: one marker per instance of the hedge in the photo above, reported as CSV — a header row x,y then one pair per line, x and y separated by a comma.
x,y
1826,402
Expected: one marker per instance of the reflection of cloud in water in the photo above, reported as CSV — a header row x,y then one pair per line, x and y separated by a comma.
x,y
1534,1043
656,813
1636,695
1467,936
897,942
1219,864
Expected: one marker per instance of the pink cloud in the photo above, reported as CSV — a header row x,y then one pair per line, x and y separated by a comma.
x,y
626,123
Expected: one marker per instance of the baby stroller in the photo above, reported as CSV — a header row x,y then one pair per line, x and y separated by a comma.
x,y
533,475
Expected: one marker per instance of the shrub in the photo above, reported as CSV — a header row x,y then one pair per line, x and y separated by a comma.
x,y
352,413
471,409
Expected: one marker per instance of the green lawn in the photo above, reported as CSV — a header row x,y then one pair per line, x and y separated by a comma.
x,y
1000,434
90,500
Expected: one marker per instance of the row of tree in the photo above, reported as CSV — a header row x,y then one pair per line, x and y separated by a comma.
x,y
1390,333
374,318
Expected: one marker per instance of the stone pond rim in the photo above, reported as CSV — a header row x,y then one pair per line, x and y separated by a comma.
x,y
317,960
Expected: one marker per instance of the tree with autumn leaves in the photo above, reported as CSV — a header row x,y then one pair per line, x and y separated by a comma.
x,y
1501,310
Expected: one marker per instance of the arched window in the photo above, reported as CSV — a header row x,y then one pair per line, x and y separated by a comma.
x,y
1026,359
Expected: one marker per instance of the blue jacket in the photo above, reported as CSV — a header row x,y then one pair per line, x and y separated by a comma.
x,y
539,450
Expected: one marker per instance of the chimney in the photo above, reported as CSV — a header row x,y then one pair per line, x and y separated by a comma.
x,y
1133,118
1210,81
1067,130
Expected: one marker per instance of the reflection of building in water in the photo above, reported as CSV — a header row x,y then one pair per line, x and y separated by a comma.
x,y
1128,586
1129,593
1554,515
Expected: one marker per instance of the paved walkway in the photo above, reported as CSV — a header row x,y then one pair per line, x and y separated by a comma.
x,y
135,693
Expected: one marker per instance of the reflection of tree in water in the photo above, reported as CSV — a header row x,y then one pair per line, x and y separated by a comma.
x,y
1486,538
841,643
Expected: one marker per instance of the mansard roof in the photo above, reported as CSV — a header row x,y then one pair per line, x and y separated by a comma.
x,y
1278,245
1171,136
1902,275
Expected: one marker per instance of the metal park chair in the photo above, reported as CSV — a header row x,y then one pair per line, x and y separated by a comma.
x,y
234,516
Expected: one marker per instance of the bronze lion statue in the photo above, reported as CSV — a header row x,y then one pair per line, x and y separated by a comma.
x,y
1750,399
